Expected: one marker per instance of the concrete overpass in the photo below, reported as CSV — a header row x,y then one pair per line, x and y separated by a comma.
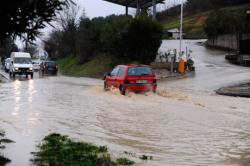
x,y
139,5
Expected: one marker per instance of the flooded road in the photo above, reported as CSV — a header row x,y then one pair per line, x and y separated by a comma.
x,y
186,123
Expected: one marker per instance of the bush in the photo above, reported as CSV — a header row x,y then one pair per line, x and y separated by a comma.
x,y
143,40
114,35
59,150
4,160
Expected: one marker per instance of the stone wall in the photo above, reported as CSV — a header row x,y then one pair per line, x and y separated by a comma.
x,y
225,42
229,41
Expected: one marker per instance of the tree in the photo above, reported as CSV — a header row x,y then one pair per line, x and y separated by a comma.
x,y
69,23
114,35
30,48
24,18
224,22
62,40
143,39
6,47
53,45
88,42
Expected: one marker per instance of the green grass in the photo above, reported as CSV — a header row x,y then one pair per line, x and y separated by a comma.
x,y
124,161
193,25
94,68
59,150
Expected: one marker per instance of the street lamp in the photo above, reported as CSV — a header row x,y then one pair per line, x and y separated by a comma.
x,y
181,22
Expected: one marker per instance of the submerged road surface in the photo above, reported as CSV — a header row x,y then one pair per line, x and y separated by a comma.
x,y
186,123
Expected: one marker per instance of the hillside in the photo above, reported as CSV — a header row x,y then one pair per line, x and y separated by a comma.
x,y
193,24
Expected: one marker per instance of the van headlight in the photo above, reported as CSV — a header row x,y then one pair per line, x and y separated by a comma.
x,y
16,68
31,68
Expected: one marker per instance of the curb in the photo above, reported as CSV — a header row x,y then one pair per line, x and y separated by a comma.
x,y
222,91
177,76
4,75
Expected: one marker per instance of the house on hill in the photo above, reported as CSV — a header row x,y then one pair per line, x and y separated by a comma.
x,y
174,33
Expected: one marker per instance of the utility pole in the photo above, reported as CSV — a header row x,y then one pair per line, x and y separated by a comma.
x,y
181,22
126,10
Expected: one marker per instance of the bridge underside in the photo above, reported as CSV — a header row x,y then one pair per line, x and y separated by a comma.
x,y
138,4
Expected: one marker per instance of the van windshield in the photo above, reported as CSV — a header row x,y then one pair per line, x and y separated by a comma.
x,y
139,71
20,60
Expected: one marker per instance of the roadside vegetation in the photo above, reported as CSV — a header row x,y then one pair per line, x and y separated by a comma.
x,y
59,150
93,68
231,20
3,141
208,17
95,45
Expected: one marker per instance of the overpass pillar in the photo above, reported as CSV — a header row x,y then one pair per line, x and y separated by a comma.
x,y
154,9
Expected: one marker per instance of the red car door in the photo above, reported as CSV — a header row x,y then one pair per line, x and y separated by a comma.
x,y
110,79
120,77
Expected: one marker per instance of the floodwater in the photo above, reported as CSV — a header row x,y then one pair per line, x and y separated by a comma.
x,y
186,123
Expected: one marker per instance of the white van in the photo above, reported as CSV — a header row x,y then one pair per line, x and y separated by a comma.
x,y
21,64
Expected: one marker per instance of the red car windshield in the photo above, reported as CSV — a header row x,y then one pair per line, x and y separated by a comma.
x,y
139,71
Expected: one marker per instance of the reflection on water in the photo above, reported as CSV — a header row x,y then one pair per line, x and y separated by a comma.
x,y
31,90
185,123
17,97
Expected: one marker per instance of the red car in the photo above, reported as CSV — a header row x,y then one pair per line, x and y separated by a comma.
x,y
131,78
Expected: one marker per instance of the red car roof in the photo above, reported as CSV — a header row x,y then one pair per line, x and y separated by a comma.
x,y
134,65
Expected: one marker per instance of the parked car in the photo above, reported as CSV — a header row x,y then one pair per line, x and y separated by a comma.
x,y
21,64
48,67
7,64
131,78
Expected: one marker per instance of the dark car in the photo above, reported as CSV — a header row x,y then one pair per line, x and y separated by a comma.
x,y
49,67
131,78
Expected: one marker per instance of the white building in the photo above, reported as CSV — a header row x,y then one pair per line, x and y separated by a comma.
x,y
174,33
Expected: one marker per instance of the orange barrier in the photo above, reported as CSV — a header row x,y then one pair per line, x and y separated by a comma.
x,y
181,66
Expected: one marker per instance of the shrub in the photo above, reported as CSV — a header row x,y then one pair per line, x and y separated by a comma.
x,y
132,39
4,160
114,34
143,40
59,150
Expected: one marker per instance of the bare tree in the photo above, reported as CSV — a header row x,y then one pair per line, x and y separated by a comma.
x,y
68,17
